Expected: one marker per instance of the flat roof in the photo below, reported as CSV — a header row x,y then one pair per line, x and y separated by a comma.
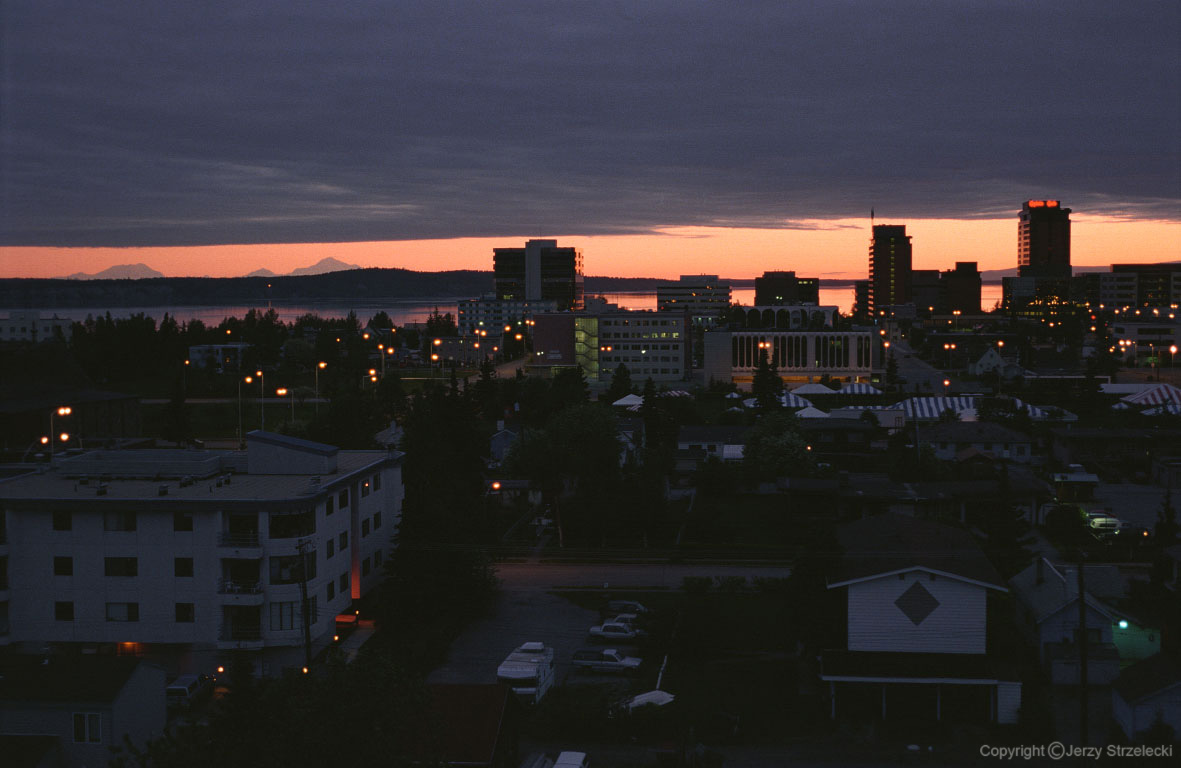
x,y
54,485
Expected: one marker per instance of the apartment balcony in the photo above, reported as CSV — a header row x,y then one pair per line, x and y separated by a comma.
x,y
237,636
239,592
239,545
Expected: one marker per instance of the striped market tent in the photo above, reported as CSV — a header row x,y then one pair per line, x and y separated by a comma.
x,y
1171,409
1158,395
930,408
860,388
792,400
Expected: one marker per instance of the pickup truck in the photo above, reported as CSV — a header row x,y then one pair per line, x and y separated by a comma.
x,y
614,630
609,660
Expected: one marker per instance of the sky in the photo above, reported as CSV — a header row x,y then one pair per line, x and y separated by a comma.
x,y
661,136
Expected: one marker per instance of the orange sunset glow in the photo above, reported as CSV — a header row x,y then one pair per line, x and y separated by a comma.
x,y
826,248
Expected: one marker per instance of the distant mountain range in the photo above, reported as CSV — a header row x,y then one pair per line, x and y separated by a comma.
x,y
321,267
118,272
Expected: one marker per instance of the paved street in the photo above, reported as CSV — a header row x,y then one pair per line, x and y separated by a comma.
x,y
527,577
917,376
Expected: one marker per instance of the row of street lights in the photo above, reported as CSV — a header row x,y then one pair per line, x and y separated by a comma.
x,y
280,392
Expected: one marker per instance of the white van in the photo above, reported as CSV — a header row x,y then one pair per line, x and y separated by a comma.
x,y
529,671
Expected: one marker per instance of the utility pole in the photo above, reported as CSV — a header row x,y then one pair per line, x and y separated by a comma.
x,y
1082,651
303,547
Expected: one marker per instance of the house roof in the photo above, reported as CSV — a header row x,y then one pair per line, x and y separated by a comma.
x,y
64,678
971,432
1148,677
294,443
1057,590
713,433
885,544
471,717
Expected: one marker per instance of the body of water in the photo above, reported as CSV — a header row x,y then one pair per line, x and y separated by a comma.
x,y
403,311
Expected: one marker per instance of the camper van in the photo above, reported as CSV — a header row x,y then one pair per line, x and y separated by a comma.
x,y
529,671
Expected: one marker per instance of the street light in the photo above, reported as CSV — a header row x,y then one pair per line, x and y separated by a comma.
x,y
282,392
262,401
319,367
64,410
247,380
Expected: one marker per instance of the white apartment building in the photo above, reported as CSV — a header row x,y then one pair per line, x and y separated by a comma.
x,y
491,314
183,556
28,325
704,297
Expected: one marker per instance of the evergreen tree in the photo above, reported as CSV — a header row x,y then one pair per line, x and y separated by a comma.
x,y
1165,531
766,386
776,448
1007,533
891,371
621,384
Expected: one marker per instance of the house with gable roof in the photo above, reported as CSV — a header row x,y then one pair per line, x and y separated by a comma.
x,y
916,647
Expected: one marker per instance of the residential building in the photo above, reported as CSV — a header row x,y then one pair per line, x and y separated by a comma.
x,y
541,271
1043,240
1146,694
704,297
955,440
218,357
491,314
28,325
86,704
780,288
889,267
916,596
182,556
652,345
698,442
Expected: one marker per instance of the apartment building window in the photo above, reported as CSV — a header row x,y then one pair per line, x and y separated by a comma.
x,y
283,616
62,521
343,498
376,520
63,611
365,567
329,505
329,549
121,566
377,558
344,581
377,482
63,566
364,489
185,613
182,567
182,521
331,590
344,541
118,521
122,611
364,528
88,728
285,569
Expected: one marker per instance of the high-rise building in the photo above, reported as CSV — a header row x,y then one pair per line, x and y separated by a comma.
x,y
704,297
775,288
1043,240
889,266
541,271
959,289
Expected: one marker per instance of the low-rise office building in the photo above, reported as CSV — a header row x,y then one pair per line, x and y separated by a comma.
x,y
733,355
183,556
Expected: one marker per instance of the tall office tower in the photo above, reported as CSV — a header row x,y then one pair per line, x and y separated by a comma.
x,y
959,289
889,266
776,288
1043,239
541,271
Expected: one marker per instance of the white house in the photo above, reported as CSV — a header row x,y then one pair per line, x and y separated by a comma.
x,y
87,703
955,439
182,556
1147,692
916,596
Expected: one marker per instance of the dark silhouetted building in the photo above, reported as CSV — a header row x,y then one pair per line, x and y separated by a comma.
x,y
889,266
541,271
775,288
861,299
1043,240
959,289
924,290
1155,285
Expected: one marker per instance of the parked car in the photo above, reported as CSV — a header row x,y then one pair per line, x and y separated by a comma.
x,y
187,690
609,660
630,619
615,607
529,671
571,760
610,631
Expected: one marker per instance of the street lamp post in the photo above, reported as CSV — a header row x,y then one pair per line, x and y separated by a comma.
x,y
283,392
64,410
319,367
247,380
262,401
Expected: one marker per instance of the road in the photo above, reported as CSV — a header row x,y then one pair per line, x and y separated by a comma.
x,y
543,577
917,375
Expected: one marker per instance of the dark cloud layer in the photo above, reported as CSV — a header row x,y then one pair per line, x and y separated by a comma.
x,y
133,123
